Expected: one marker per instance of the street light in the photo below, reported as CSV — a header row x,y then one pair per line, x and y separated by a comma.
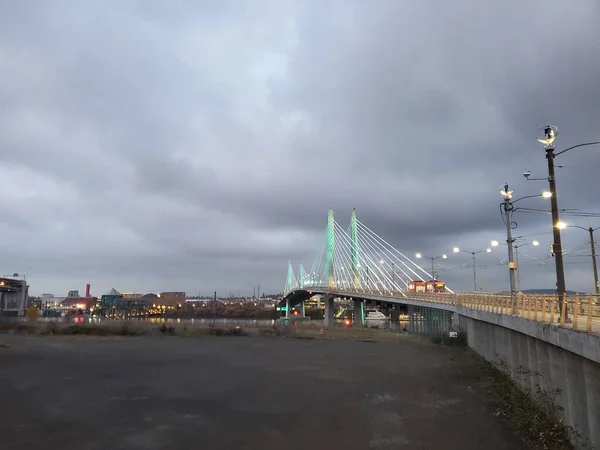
x,y
591,230
550,134
517,247
516,262
487,250
509,209
432,259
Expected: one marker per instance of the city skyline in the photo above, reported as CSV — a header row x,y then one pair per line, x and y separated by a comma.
x,y
198,146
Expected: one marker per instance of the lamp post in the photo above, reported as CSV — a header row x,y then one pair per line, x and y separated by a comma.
x,y
591,230
432,259
509,209
517,247
487,250
550,134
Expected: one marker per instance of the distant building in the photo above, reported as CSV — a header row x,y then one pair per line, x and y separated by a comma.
x,y
35,301
142,302
171,298
127,295
48,301
13,296
83,303
73,294
111,298
149,299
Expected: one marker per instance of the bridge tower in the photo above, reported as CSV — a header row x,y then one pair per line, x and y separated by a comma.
x,y
355,249
330,250
301,276
290,282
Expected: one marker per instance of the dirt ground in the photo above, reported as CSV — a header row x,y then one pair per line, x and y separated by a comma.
x,y
98,393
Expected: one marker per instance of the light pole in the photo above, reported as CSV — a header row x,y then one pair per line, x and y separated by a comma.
x,y
487,250
591,230
509,209
550,134
517,247
432,259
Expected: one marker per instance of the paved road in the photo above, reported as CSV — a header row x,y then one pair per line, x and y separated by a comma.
x,y
240,393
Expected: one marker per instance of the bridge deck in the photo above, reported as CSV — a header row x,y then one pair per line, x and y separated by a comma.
x,y
579,312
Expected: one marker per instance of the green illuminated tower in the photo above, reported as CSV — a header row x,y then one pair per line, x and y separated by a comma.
x,y
301,276
289,281
355,249
330,249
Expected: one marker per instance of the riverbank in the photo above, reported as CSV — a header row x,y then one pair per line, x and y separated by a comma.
x,y
299,329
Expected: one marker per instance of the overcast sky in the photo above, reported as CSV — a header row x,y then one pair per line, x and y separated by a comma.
x,y
196,145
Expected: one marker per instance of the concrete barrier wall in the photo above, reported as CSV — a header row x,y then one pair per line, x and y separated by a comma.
x,y
537,362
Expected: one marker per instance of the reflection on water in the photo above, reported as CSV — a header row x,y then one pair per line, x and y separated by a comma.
x,y
415,320
418,320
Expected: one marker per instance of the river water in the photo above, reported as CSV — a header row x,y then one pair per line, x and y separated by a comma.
x,y
416,320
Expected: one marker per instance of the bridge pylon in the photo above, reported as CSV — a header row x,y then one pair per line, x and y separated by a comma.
x,y
355,249
301,276
329,277
290,281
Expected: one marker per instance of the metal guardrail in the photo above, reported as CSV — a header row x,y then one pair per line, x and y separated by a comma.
x,y
578,312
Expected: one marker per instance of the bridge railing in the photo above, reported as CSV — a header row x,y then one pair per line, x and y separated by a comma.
x,y
579,311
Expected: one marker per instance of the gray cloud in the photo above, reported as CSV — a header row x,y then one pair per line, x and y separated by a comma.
x,y
198,146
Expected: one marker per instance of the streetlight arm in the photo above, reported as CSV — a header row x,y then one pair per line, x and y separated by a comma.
x,y
583,228
527,196
576,146
474,253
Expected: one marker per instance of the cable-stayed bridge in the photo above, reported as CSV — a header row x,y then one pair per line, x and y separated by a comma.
x,y
357,258
356,263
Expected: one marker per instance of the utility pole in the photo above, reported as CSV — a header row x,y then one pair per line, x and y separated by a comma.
x,y
215,308
518,268
558,252
594,264
508,210
474,273
550,133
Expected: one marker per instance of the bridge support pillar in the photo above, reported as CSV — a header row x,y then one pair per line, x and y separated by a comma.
x,y
303,309
287,308
359,313
328,317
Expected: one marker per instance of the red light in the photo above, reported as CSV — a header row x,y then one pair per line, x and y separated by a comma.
x,y
296,313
